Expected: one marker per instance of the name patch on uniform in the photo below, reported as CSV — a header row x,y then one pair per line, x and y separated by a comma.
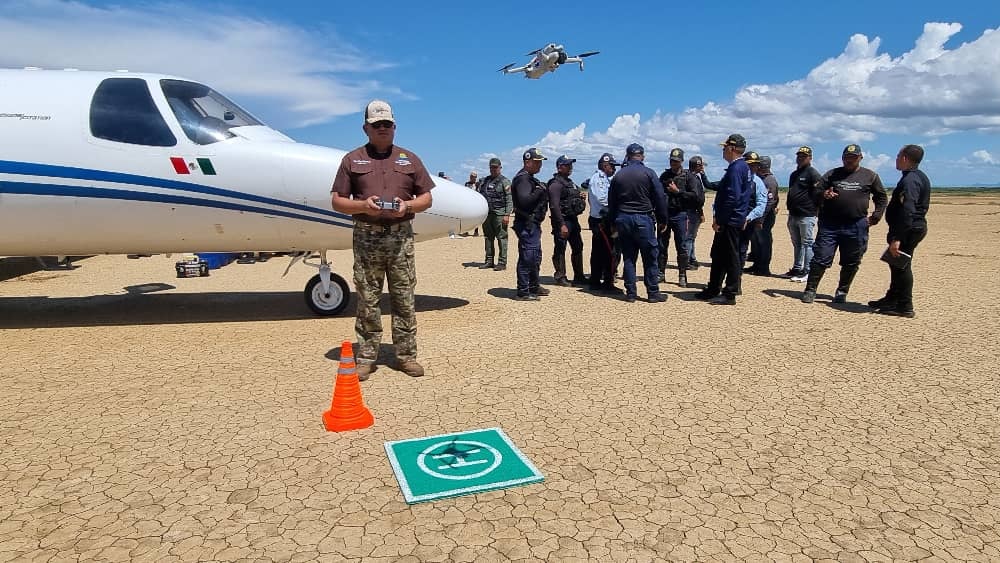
x,y
361,161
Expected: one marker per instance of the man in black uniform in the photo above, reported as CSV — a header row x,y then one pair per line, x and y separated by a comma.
x,y
531,199
805,189
683,189
761,239
697,167
907,219
567,204
636,195
844,221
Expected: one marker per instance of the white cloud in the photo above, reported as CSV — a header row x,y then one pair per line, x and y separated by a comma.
x,y
984,157
300,77
929,91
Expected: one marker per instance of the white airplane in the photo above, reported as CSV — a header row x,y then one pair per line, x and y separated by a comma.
x,y
546,59
129,163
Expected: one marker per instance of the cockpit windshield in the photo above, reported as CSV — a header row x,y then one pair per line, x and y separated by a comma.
x,y
204,114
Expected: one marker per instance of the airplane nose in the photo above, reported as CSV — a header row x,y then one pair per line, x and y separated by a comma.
x,y
455,208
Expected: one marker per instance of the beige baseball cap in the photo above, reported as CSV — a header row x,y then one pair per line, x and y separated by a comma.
x,y
378,110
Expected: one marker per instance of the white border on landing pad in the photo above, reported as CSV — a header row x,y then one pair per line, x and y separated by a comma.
x,y
410,498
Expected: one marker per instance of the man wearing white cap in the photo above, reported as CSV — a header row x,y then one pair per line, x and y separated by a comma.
x,y
383,185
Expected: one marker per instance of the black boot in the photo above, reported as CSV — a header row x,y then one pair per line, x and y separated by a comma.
x,y
847,274
577,261
682,266
815,275
559,266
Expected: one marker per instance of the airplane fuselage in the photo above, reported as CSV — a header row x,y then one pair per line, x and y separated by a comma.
x,y
156,164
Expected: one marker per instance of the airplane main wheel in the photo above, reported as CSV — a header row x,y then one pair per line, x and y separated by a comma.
x,y
327,304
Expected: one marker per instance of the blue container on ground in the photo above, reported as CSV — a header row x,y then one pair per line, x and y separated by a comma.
x,y
216,260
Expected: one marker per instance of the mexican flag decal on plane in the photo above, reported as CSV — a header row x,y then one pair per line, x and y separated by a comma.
x,y
181,166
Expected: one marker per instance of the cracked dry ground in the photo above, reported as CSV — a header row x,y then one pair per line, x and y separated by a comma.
x,y
184,424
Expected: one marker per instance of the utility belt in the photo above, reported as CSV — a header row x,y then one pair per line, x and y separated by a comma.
x,y
382,227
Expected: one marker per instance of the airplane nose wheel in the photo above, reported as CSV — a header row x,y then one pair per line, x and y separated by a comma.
x,y
331,303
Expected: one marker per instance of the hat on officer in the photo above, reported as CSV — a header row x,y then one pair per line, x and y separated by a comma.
x,y
751,157
696,161
853,150
533,154
734,140
676,155
564,160
806,150
765,162
607,158
495,162
378,110
634,149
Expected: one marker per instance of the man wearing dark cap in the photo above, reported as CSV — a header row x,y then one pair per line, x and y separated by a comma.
x,y
636,204
844,221
683,199
696,166
567,203
383,238
761,239
531,200
805,190
496,189
907,219
730,210
602,246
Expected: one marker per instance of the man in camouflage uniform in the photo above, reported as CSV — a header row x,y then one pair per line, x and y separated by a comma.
x,y
496,189
371,178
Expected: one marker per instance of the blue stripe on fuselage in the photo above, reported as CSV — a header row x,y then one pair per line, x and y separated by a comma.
x,y
50,170
28,188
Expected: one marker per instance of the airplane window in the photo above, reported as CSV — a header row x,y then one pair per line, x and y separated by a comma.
x,y
123,111
204,114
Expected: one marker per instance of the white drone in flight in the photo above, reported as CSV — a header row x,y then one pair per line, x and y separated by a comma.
x,y
546,59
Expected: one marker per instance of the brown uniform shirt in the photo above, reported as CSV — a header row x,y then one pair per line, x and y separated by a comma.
x,y
363,175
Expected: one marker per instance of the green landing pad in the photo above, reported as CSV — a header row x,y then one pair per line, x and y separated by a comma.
x,y
451,465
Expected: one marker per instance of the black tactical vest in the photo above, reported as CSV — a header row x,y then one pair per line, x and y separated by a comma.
x,y
492,190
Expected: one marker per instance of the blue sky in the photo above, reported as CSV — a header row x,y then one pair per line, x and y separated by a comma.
x,y
881,74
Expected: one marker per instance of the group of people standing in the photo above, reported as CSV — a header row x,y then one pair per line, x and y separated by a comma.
x,y
635,212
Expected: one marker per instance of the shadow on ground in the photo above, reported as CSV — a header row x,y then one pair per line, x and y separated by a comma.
x,y
143,305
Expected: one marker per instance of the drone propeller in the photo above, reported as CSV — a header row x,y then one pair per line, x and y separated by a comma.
x,y
505,67
535,52
588,53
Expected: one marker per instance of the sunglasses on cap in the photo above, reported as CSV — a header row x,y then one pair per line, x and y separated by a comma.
x,y
383,124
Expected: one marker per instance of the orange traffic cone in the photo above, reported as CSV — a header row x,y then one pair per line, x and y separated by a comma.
x,y
348,410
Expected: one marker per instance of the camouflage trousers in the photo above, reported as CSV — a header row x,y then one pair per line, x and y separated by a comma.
x,y
381,254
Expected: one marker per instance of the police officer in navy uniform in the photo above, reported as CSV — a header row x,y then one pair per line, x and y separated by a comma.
x,y
567,204
844,221
531,200
683,199
636,205
730,211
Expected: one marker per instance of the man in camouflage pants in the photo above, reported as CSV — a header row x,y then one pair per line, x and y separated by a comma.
x,y
383,186
496,189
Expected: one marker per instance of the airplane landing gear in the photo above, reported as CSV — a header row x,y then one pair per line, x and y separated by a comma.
x,y
326,293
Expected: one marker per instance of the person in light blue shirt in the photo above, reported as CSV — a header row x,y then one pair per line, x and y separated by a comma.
x,y
603,256
758,204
